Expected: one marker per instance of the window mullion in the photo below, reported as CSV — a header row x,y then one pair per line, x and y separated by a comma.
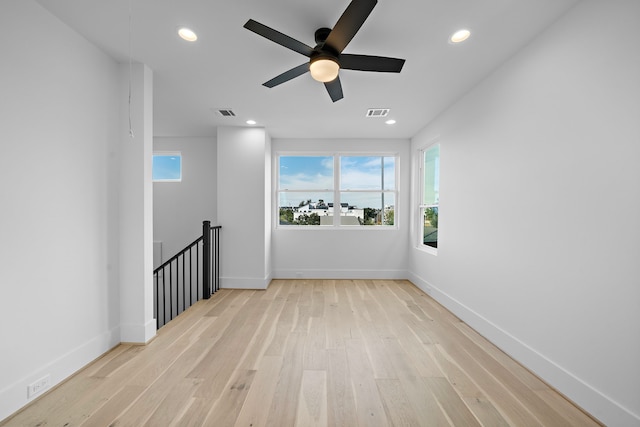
x,y
336,190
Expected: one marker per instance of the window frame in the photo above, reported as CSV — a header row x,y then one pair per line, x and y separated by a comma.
x,y
421,205
167,154
336,190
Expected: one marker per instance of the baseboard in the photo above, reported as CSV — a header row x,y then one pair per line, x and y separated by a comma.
x,y
582,394
245,282
340,274
138,333
14,397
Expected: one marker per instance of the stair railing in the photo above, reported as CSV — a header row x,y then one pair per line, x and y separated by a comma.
x,y
187,277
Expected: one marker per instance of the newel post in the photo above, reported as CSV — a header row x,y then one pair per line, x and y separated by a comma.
x,y
206,259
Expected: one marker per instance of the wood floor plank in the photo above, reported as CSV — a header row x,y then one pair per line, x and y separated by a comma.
x,y
55,405
317,301
192,414
217,367
283,326
369,408
396,403
226,409
172,405
119,361
284,403
341,402
254,412
453,406
308,353
315,349
485,412
456,376
187,350
264,331
500,394
108,412
375,347
423,402
106,358
157,392
312,402
539,409
573,415
526,377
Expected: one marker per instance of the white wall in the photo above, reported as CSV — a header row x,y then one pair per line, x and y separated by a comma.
x,y
59,126
342,253
135,205
540,201
180,207
242,154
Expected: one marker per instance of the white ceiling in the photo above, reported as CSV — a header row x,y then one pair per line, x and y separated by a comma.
x,y
226,67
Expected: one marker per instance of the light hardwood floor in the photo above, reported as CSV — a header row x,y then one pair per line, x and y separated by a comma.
x,y
308,353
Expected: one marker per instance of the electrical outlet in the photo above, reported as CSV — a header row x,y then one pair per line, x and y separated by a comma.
x,y
38,386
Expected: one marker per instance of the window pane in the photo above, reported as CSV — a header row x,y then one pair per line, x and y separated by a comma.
x,y
430,229
389,173
167,167
306,173
431,176
302,208
361,172
367,208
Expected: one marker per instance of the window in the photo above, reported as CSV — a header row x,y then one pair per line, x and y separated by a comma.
x,y
336,190
167,167
430,195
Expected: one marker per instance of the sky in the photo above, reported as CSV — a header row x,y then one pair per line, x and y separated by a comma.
x,y
311,177
360,179
167,167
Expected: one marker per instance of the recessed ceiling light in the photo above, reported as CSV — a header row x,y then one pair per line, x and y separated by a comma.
x,y
390,122
187,34
460,36
251,122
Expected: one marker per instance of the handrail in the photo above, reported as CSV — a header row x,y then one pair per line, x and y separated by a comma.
x,y
173,258
175,278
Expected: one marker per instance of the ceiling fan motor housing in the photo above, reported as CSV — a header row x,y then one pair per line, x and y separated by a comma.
x,y
321,35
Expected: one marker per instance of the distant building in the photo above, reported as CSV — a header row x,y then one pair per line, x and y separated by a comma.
x,y
352,215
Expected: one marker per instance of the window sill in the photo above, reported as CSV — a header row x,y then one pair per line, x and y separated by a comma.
x,y
337,228
428,249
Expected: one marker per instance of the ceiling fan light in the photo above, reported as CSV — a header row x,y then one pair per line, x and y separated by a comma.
x,y
187,34
460,36
324,69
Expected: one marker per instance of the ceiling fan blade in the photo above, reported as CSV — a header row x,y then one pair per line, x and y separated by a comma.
x,y
335,89
349,24
288,75
371,63
278,37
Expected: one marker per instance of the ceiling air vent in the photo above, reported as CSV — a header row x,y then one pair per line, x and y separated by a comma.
x,y
226,112
377,112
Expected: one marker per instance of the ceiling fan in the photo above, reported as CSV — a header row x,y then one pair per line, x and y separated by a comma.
x,y
326,58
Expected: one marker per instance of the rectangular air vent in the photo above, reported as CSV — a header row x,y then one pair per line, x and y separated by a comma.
x,y
226,112
377,112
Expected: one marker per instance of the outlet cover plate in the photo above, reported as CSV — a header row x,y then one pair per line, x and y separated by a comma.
x,y
38,386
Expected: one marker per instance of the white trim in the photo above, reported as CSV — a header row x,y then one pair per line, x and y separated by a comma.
x,y
245,282
138,333
340,274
